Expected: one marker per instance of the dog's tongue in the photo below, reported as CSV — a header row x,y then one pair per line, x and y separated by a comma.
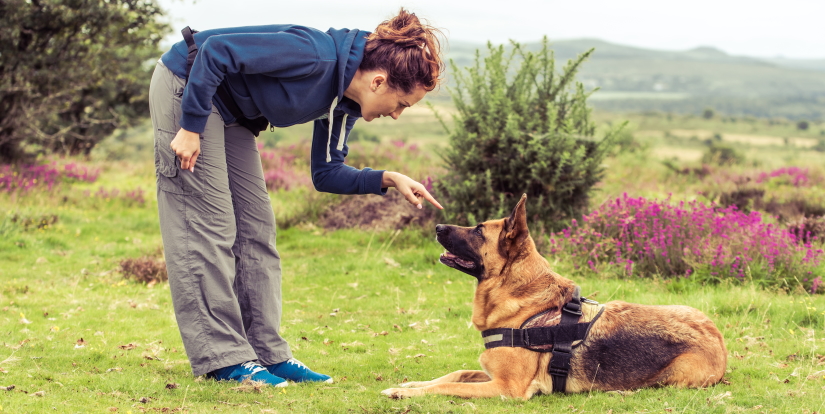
x,y
461,262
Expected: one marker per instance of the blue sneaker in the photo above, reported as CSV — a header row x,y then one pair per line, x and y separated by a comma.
x,y
294,370
250,370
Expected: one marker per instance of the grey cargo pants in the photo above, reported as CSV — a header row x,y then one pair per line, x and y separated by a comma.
x,y
218,234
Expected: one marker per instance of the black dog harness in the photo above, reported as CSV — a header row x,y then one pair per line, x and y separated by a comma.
x,y
255,125
549,337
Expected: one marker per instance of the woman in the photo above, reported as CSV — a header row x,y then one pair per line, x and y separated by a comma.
x,y
215,215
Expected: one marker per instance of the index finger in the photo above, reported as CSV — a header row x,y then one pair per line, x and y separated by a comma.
x,y
432,200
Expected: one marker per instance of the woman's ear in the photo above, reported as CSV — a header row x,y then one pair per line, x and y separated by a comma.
x,y
379,81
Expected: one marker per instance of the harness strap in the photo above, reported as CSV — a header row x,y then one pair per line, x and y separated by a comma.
x,y
532,337
191,47
563,350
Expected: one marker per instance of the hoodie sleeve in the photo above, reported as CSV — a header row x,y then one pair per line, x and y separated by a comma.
x,y
290,53
335,176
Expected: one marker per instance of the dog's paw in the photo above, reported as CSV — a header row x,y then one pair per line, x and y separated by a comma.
x,y
397,393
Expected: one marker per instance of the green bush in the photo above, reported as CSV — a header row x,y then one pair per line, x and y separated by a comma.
x,y
722,155
624,141
708,113
820,145
518,131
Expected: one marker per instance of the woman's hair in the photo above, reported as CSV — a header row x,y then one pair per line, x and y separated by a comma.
x,y
408,50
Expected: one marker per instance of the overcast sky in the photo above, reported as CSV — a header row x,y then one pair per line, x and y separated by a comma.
x,y
787,28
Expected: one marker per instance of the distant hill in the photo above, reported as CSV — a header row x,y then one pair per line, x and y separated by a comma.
x,y
813,64
637,79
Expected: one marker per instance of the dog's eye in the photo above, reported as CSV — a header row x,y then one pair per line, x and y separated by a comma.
x,y
478,230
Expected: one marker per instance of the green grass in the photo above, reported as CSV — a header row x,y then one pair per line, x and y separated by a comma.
x,y
398,315
371,309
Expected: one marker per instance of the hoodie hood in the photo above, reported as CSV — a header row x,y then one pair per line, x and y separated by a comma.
x,y
350,47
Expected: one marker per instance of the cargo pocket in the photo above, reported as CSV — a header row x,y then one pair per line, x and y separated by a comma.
x,y
170,177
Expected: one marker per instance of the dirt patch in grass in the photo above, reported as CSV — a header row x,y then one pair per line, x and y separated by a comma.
x,y
373,212
149,269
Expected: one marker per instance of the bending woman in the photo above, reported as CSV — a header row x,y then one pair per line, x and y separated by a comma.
x,y
216,219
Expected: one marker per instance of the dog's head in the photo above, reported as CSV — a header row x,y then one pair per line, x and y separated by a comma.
x,y
488,248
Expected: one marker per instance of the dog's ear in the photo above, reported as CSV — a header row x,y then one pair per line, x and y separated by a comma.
x,y
515,226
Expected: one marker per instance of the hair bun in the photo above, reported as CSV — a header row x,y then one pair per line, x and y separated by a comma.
x,y
408,50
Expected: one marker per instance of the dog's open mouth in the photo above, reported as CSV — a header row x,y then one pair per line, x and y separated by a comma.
x,y
450,259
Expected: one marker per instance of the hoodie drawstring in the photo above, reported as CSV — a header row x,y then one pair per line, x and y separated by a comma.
x,y
341,135
329,129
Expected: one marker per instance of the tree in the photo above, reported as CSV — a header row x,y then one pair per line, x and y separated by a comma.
x,y
71,71
521,131
707,113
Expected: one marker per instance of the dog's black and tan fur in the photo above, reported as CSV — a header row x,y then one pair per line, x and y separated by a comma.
x,y
630,346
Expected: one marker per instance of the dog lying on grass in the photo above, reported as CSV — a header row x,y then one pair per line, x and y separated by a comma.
x,y
625,346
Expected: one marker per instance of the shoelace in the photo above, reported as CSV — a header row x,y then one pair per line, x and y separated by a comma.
x,y
253,366
294,361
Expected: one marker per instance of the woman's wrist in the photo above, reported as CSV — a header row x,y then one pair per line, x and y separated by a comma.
x,y
388,179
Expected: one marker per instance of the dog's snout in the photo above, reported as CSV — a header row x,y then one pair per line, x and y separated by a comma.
x,y
440,228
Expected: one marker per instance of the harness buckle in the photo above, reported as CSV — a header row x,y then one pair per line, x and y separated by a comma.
x,y
590,301
572,308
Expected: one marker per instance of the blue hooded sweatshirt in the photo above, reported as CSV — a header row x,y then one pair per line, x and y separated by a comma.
x,y
290,75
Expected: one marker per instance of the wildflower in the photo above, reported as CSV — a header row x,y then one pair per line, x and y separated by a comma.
x,y
659,237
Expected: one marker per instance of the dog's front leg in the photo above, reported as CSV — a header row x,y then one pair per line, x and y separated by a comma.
x,y
511,371
492,388
458,376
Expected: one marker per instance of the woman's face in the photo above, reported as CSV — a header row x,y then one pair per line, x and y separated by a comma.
x,y
382,100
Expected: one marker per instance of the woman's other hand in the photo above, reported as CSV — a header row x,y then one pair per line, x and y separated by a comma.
x,y
412,190
187,147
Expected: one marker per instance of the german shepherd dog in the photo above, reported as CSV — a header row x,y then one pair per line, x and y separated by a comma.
x,y
629,346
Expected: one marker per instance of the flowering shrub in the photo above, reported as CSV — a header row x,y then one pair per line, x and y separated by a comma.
x,y
80,173
795,176
815,284
398,156
287,167
27,177
646,237
807,229
134,197
281,171
428,183
791,194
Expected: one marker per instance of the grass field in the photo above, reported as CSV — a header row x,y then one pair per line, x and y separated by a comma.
x,y
372,309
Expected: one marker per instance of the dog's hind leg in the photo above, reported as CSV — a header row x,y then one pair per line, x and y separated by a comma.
x,y
457,376
693,370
